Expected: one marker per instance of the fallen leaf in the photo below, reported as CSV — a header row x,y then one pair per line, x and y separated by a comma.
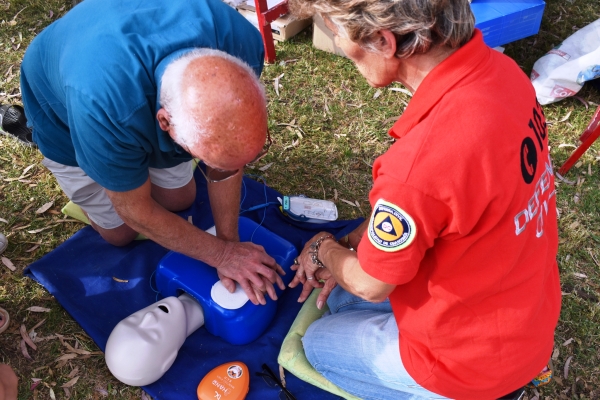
x,y
77,351
44,208
8,264
73,373
585,103
3,220
401,90
18,228
38,309
35,247
26,338
24,351
335,194
566,117
567,342
67,393
563,179
566,371
103,392
555,354
574,225
36,382
37,325
65,357
276,83
265,167
557,379
348,202
560,146
41,229
377,94
52,396
145,396
51,14
26,170
71,383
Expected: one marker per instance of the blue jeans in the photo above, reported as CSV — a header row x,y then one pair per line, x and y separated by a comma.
x,y
356,348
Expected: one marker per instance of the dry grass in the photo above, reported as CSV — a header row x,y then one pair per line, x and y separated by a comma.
x,y
328,128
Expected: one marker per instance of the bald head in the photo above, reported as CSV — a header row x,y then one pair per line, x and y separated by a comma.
x,y
215,108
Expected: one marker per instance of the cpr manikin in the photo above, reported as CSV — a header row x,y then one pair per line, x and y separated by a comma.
x,y
143,346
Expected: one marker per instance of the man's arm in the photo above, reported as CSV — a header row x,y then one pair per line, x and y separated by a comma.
x,y
246,263
224,199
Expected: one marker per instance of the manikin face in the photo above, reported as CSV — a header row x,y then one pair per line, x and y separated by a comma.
x,y
143,346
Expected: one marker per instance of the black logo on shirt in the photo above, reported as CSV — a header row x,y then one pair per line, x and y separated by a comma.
x,y
528,159
529,156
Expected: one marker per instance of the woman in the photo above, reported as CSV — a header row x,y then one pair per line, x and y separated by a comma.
x,y
453,291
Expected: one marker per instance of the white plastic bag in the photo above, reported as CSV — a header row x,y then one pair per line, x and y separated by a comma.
x,y
563,70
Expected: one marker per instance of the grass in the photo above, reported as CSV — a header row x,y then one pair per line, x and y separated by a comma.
x,y
328,127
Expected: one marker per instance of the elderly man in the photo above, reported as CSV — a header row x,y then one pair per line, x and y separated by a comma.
x,y
122,95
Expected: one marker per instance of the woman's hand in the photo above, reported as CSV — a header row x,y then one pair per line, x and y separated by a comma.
x,y
324,277
304,266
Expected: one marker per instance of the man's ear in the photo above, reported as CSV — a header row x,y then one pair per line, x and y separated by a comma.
x,y
164,119
387,43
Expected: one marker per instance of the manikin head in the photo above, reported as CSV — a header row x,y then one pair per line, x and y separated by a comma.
x,y
143,346
213,105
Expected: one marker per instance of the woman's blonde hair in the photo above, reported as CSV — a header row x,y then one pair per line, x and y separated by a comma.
x,y
418,25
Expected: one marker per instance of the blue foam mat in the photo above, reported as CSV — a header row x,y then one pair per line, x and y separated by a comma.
x,y
79,273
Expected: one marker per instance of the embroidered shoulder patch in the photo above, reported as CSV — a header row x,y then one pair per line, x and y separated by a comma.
x,y
390,228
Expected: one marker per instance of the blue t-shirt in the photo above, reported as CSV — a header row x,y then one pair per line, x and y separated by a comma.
x,y
90,81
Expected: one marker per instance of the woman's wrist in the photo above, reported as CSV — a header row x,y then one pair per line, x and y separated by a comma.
x,y
316,246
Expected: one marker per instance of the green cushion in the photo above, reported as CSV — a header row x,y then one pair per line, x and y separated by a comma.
x,y
291,355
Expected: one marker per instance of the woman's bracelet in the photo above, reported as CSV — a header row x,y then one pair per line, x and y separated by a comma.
x,y
314,250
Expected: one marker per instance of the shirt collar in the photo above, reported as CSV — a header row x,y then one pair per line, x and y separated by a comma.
x,y
439,81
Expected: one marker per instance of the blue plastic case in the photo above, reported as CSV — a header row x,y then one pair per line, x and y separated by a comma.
x,y
177,273
504,21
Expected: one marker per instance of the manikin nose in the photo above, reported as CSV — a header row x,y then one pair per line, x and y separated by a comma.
x,y
149,320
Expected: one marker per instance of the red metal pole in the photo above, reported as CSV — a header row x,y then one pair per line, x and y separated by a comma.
x,y
589,136
265,17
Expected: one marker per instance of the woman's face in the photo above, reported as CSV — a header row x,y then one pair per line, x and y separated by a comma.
x,y
378,70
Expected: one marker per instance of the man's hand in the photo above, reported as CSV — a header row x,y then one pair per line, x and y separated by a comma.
x,y
250,266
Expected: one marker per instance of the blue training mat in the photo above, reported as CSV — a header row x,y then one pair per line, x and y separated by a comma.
x,y
80,272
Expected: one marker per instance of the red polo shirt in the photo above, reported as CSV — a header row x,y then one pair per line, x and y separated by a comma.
x,y
464,223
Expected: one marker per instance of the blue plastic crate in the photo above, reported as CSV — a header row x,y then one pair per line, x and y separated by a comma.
x,y
178,274
505,21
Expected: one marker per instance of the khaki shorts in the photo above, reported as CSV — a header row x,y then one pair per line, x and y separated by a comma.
x,y
92,197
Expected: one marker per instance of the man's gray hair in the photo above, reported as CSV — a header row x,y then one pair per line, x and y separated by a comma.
x,y
190,128
418,25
